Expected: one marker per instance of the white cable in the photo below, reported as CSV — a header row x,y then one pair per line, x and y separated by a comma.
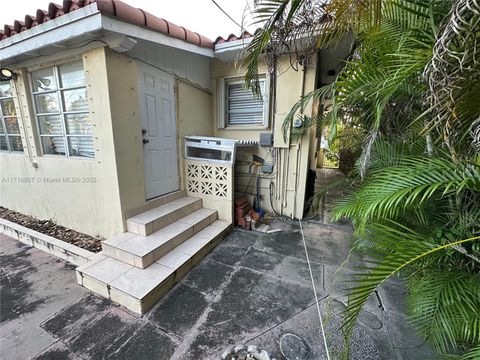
x,y
314,291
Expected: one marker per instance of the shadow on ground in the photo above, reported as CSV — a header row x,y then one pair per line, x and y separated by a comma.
x,y
252,289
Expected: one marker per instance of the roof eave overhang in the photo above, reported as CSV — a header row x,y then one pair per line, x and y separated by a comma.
x,y
54,32
88,23
231,50
138,32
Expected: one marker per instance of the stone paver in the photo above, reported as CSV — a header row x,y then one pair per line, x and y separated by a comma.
x,y
252,289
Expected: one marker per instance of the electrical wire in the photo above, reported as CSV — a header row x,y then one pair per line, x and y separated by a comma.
x,y
315,292
241,27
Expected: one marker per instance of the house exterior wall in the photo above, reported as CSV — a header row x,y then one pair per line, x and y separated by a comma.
x,y
291,160
193,105
82,194
93,195
189,67
122,79
195,117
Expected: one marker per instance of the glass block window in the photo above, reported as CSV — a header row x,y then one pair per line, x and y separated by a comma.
x,y
61,108
10,139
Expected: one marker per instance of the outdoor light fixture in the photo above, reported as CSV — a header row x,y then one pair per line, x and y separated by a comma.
x,y
7,74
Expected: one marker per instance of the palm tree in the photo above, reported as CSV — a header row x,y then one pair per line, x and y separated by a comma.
x,y
411,85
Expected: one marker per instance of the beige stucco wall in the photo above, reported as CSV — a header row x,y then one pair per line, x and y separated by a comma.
x,y
193,113
81,194
112,184
123,99
93,195
289,177
194,117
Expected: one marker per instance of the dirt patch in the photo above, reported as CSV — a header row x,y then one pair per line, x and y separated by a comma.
x,y
48,227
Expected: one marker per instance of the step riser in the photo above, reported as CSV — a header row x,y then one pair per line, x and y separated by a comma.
x,y
150,258
151,204
140,306
161,222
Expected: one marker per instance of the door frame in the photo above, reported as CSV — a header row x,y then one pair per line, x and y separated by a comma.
x,y
142,64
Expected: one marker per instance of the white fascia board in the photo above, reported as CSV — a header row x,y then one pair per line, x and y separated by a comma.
x,y
65,27
117,26
230,50
233,45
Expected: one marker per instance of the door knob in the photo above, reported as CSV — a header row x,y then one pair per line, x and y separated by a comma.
x,y
144,131
145,141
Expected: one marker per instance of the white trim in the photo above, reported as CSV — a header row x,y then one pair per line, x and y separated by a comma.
x,y
6,134
266,102
233,45
220,99
221,108
81,21
231,50
114,25
61,112
87,21
66,55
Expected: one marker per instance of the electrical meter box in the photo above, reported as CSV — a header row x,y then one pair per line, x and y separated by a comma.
x,y
266,139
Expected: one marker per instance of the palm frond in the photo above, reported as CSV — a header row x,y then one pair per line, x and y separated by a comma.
x,y
404,247
443,307
387,192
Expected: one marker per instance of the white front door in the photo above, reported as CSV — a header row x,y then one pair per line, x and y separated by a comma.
x,y
157,109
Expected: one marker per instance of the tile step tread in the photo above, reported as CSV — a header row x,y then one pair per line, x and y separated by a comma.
x,y
137,283
162,210
142,245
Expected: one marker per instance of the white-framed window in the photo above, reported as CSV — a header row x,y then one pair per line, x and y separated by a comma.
x,y
61,108
10,139
239,107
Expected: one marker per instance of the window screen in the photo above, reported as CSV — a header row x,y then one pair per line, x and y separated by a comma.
x,y
10,139
61,108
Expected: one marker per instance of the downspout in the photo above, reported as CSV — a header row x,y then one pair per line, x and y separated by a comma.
x,y
298,145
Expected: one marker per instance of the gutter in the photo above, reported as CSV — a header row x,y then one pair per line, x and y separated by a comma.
x,y
229,50
87,22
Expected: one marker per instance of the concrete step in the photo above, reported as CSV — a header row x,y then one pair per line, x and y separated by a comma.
x,y
154,219
139,289
142,251
156,202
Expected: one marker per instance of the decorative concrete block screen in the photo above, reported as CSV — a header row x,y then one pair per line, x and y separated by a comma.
x,y
213,183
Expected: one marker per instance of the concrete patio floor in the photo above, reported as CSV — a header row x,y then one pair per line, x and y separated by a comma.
x,y
251,289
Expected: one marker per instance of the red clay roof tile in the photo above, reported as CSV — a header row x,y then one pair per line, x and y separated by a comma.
x,y
113,8
156,23
42,16
233,37
55,10
30,21
129,13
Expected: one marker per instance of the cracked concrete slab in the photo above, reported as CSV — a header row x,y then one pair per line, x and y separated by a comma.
x,y
208,276
146,343
29,296
179,310
262,261
249,304
252,289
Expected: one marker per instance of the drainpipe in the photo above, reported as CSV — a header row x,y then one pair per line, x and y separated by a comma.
x,y
298,145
